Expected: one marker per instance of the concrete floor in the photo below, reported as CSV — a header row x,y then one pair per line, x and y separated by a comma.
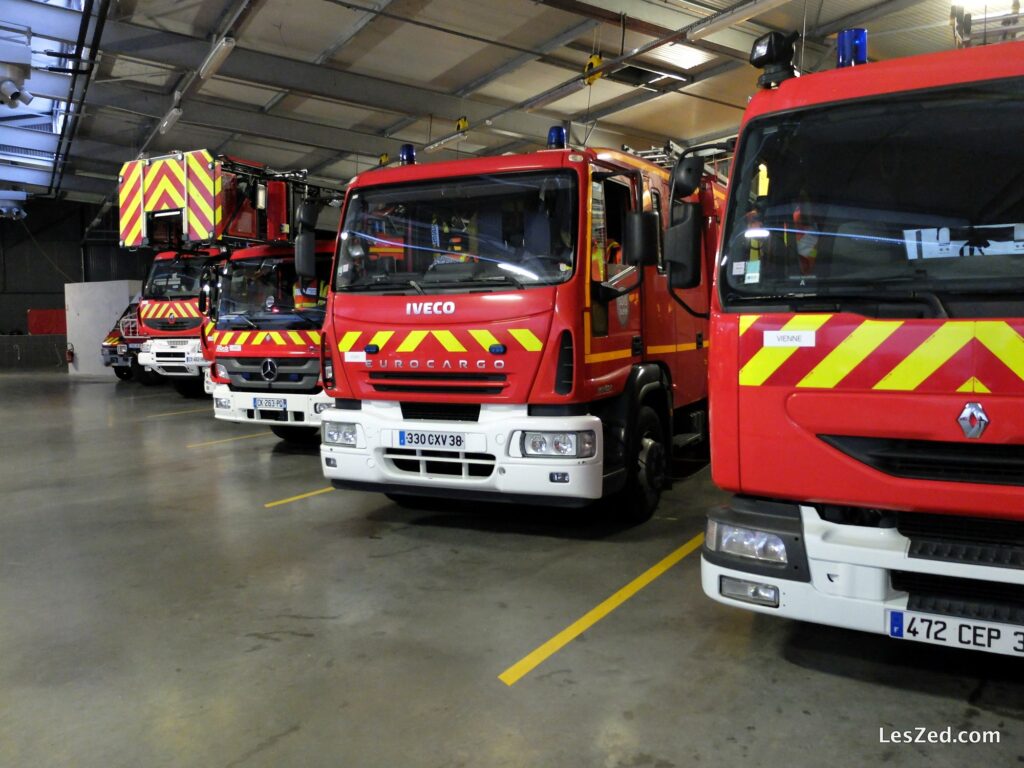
x,y
153,612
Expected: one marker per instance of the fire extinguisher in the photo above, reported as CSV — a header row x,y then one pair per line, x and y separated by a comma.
x,y
69,354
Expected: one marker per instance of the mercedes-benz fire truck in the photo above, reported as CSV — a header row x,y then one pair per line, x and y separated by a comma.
x,y
263,341
200,208
502,329
867,371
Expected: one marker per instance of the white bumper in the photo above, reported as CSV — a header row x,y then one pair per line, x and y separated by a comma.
x,y
174,357
298,411
850,576
490,462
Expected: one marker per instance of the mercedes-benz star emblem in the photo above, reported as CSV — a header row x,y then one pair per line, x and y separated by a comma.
x,y
268,370
973,420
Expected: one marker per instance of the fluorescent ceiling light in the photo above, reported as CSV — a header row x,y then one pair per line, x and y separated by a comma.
x,y
215,58
742,13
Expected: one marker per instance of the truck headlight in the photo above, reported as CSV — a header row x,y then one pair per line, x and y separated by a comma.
x,y
321,407
146,346
569,445
222,403
339,433
122,349
745,542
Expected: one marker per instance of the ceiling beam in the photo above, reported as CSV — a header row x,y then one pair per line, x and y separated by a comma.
x,y
31,177
24,138
857,18
278,72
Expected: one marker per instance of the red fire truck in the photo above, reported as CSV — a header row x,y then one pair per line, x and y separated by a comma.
x,y
867,370
502,329
201,207
121,346
263,340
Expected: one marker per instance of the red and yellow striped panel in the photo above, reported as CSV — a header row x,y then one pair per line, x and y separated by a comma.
x,y
266,339
202,219
518,338
164,185
169,309
850,352
131,217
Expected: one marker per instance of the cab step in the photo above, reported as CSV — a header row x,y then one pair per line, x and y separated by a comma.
x,y
685,440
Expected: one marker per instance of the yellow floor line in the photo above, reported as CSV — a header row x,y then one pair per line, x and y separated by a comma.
x,y
300,497
207,409
534,659
230,439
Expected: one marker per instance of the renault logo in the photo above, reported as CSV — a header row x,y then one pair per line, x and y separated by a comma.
x,y
973,420
268,370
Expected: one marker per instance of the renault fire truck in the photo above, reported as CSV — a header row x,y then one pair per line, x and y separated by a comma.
x,y
201,207
263,341
502,329
120,347
867,372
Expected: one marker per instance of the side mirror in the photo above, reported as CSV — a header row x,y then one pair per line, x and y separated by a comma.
x,y
306,215
640,238
686,176
682,247
305,254
208,292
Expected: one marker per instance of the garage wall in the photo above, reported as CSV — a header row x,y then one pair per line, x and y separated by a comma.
x,y
46,250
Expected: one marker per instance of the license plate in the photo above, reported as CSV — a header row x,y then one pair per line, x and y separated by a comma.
x,y
269,403
193,357
452,441
959,633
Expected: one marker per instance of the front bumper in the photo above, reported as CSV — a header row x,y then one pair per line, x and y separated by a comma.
x,y
300,409
489,467
113,359
848,575
174,357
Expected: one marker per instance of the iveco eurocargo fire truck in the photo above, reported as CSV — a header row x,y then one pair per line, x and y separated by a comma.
x,y
503,329
867,372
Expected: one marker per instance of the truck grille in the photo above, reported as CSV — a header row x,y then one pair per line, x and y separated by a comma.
x,y
934,460
294,374
178,324
425,462
430,382
963,598
980,541
441,411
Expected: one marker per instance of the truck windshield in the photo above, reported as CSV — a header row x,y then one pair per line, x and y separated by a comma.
x,y
266,293
920,194
175,278
500,230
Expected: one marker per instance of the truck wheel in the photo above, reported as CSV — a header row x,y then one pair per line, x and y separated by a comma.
x,y
297,435
123,372
144,377
646,469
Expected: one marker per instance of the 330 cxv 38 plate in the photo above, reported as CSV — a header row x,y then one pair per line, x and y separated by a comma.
x,y
452,441
956,632
269,403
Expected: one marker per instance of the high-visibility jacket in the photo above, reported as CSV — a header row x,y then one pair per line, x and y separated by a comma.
x,y
309,296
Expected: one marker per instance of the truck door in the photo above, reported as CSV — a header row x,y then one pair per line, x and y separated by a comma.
x,y
613,342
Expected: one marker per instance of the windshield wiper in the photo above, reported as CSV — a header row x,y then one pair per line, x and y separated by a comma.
x,y
501,277
244,318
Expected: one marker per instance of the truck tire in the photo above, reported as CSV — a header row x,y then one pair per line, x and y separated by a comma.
x,y
189,387
646,471
123,372
144,377
297,435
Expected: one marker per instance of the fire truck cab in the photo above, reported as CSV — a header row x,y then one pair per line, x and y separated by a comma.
x,y
503,329
867,330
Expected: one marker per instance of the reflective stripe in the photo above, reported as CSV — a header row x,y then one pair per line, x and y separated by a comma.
x,y
936,350
850,353
767,360
525,337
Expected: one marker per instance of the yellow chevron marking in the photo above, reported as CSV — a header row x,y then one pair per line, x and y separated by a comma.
x,y
525,337
213,336
933,353
850,353
1003,342
226,338
767,360
348,341
484,338
410,342
448,341
314,336
277,338
243,337
209,328
746,321
380,338
162,310
135,232
296,338
973,385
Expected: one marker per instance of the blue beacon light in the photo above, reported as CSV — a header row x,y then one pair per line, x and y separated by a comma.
x,y
852,47
558,138
407,154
